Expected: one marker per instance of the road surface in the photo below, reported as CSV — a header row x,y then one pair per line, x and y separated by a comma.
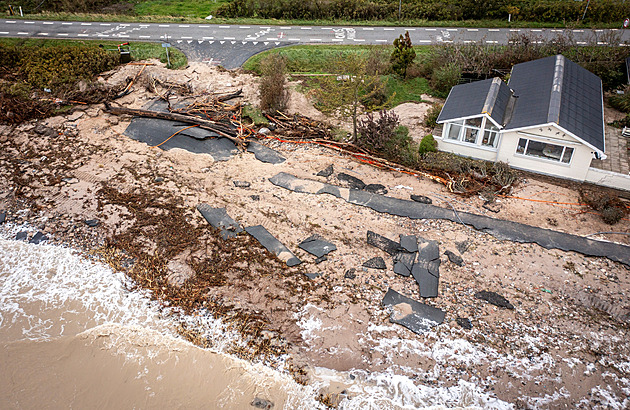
x,y
231,45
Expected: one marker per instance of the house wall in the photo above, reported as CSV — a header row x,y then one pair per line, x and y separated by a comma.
x,y
467,150
608,178
576,169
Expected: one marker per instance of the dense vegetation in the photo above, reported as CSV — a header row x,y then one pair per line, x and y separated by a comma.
x,y
361,10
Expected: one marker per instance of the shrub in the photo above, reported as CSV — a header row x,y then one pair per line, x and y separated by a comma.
x,y
272,87
430,119
446,77
401,149
374,133
621,102
403,55
428,144
608,205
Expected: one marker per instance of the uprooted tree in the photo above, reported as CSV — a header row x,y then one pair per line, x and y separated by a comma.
x,y
345,91
403,55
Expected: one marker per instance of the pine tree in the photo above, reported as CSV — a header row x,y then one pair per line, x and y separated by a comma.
x,y
403,55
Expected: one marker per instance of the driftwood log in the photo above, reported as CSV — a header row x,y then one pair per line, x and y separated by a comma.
x,y
221,129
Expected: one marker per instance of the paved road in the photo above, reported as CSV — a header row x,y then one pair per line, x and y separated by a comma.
x,y
230,45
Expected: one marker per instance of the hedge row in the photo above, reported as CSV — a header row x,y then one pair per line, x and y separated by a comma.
x,y
551,11
49,67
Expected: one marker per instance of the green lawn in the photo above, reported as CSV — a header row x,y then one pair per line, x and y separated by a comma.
x,y
139,50
188,9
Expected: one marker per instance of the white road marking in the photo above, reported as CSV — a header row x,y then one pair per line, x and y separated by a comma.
x,y
105,24
599,30
389,29
294,39
224,26
451,29
4,32
578,31
515,29
315,39
86,24
62,34
306,28
21,33
623,45
472,29
228,38
48,22
491,41
337,39
82,35
493,29
208,38
144,25
326,28
536,29
285,28
144,36
103,35
556,31
410,29
424,41
28,22
359,40
602,43
243,27
10,22
164,25
66,24
183,25
186,38
381,41
367,28
430,29
271,39
42,34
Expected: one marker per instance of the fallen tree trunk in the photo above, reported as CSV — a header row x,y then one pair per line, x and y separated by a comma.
x,y
213,126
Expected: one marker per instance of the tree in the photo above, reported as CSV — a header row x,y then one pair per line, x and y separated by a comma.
x,y
272,90
351,84
403,55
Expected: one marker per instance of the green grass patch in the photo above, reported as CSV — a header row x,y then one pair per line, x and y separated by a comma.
x,y
255,115
189,9
139,50
406,90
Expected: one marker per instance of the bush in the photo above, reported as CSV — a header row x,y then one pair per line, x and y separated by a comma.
x,y
446,77
430,119
428,144
59,65
608,205
403,55
272,89
621,102
374,134
401,148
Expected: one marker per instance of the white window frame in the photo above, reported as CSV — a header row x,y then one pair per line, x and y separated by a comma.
x,y
481,130
548,159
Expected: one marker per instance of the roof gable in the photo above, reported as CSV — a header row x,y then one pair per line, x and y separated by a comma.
x,y
473,99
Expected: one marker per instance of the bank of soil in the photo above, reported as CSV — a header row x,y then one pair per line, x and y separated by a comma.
x,y
565,343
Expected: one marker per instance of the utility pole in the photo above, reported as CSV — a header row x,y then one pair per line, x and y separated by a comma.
x,y
587,3
399,8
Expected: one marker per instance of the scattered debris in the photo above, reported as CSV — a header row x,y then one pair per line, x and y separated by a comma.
x,y
317,246
422,199
494,298
20,236
321,259
492,206
3,217
273,245
92,223
428,250
409,243
218,218
591,301
255,197
265,154
403,263
462,246
241,184
262,403
350,181
464,322
502,229
376,189
415,316
326,172
454,258
39,237
350,273
383,243
375,263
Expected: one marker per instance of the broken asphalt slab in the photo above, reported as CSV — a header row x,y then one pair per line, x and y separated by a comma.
x,y
317,246
428,281
403,263
375,263
383,243
273,245
415,316
498,228
265,154
218,218
494,298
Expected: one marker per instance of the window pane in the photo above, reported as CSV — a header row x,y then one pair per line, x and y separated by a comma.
x,y
453,132
489,139
520,149
474,122
470,135
490,126
568,153
535,149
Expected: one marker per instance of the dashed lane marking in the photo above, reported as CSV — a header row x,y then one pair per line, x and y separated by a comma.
x,y
224,26
66,24
472,29
315,39
244,27
21,33
381,41
493,29
10,22
306,28
48,22
164,25
367,28
389,29
144,36
62,34
229,38
430,29
86,24
183,25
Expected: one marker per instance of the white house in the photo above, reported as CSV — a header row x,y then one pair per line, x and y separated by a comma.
x,y
549,118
